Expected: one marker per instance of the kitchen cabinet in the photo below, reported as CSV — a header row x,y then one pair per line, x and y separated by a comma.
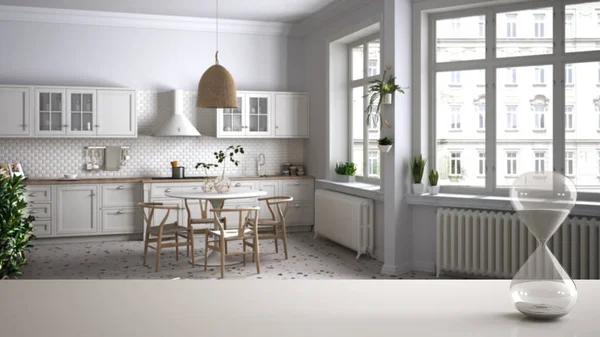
x,y
230,122
77,209
116,113
272,189
14,111
252,117
49,111
291,115
81,107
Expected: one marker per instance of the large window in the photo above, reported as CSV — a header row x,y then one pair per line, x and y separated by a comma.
x,y
365,65
542,75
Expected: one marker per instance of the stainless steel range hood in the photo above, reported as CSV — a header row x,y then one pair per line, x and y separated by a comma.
x,y
177,124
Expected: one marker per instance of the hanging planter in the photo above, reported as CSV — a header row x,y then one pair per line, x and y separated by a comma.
x,y
387,98
385,144
380,92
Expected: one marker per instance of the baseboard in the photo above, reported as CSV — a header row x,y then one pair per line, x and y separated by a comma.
x,y
396,270
83,239
424,266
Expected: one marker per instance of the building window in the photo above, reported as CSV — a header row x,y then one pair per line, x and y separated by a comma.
x,y
455,77
481,164
569,117
569,25
373,163
540,113
455,163
540,161
373,67
539,24
455,117
570,163
511,75
481,26
539,76
511,117
455,26
481,117
511,163
569,74
511,25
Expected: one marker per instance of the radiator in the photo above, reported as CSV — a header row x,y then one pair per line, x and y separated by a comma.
x,y
497,244
345,219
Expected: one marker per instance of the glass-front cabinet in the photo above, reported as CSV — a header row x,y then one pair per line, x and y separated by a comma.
x,y
252,117
50,112
259,114
231,120
81,107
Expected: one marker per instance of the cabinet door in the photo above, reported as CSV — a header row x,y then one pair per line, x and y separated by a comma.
x,y
121,221
81,112
116,115
291,115
230,122
14,111
272,189
50,119
77,209
174,216
259,114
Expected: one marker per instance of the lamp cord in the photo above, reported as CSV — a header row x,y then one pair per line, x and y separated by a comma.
x,y
217,53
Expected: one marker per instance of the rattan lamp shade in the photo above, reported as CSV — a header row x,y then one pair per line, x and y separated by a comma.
x,y
216,89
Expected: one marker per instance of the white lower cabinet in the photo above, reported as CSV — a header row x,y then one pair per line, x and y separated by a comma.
x,y
126,220
77,209
42,228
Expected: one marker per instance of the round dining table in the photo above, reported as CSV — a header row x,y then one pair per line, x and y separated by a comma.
x,y
217,200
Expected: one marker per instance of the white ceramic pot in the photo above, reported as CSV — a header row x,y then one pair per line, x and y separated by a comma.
x,y
387,99
434,190
385,148
418,188
345,179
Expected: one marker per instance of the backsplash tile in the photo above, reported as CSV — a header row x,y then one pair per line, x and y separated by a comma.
x,y
150,156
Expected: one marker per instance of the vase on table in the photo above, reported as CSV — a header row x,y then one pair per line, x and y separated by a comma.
x,y
208,186
222,184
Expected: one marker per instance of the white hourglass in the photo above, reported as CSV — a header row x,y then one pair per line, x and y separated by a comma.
x,y
542,288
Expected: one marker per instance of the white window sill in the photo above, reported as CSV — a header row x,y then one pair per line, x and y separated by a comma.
x,y
511,85
539,85
570,130
511,130
481,130
539,130
582,208
363,190
455,85
455,130
569,85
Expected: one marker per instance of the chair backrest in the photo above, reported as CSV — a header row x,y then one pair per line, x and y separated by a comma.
x,y
281,204
148,209
203,208
251,214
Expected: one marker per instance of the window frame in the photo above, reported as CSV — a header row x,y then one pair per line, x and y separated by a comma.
x,y
364,83
572,160
539,25
557,59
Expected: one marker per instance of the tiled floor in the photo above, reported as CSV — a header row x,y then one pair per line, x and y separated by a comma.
x,y
308,259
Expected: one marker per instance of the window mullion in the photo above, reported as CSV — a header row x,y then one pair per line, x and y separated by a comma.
x,y
491,111
365,153
558,111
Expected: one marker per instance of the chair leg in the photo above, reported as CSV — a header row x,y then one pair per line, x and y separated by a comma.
x,y
222,249
146,247
284,234
206,252
244,247
276,243
257,254
187,252
158,246
176,246
190,245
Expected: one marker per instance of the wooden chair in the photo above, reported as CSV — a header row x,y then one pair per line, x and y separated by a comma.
x,y
164,232
199,225
274,228
221,236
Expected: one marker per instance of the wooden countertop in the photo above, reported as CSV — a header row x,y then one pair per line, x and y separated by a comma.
x,y
145,180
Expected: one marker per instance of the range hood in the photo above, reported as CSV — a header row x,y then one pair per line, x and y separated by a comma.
x,y
177,124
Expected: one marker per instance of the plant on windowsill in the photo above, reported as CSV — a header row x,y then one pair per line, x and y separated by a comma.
x,y
208,185
434,189
222,183
345,172
16,230
380,91
417,170
385,144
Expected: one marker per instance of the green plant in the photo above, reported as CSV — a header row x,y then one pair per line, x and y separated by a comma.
x,y
417,169
376,91
384,141
206,167
228,154
16,230
346,169
433,177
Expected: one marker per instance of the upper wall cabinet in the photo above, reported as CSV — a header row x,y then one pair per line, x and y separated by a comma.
x,y
67,112
15,111
259,115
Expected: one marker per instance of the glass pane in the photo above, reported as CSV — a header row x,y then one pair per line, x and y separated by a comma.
x,y
253,123
460,39
45,102
227,122
524,33
44,121
358,65
358,124
582,27
263,125
460,111
262,105
253,105
75,121
87,122
239,109
56,101
373,63
236,123
582,110
75,102
374,163
56,122
88,102
524,122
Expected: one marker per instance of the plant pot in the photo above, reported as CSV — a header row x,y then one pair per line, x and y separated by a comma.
x,y
345,179
385,148
418,188
387,99
222,185
434,190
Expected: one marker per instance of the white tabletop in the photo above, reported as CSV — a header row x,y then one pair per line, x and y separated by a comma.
x,y
217,196
411,308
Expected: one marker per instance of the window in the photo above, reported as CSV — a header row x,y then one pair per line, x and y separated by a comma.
x,y
540,112
540,161
586,37
481,117
481,26
539,76
511,163
364,133
569,117
455,27
450,31
455,77
455,117
455,163
569,74
511,75
481,162
511,25
539,24
569,25
570,163
511,117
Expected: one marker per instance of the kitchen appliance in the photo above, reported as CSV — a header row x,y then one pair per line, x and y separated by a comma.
x,y
178,172
177,124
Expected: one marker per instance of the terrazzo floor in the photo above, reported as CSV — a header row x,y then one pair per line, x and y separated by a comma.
x,y
309,259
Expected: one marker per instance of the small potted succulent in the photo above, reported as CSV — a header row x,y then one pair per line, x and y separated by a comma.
x,y
209,184
434,189
417,169
345,172
385,144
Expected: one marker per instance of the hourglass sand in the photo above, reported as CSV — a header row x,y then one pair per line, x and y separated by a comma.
x,y
541,288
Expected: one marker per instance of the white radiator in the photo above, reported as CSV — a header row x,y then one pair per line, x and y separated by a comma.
x,y
345,219
497,244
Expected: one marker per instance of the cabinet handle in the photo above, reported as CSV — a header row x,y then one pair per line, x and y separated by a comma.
x,y
65,125
33,212
297,205
238,185
32,195
93,194
121,187
195,189
167,190
120,211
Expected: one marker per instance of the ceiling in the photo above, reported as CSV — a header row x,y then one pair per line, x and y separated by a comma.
x,y
255,10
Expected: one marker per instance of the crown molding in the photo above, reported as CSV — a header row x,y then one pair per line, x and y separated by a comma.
x,y
98,18
325,16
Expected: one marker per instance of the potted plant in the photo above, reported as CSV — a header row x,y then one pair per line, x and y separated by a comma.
x,y
380,91
222,183
345,172
385,144
209,184
16,230
434,189
417,169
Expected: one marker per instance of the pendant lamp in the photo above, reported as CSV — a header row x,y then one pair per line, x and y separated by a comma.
x,y
216,88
